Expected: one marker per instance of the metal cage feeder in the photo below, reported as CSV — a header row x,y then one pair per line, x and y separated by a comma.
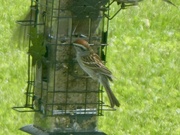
x,y
65,100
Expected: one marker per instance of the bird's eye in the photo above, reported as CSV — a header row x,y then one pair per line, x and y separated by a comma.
x,y
82,48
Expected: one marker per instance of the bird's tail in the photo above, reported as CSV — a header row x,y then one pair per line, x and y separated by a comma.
x,y
112,98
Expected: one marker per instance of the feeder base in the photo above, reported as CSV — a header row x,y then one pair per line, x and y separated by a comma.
x,y
35,131
79,133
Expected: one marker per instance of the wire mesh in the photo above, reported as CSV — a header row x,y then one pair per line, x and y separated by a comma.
x,y
56,84
62,96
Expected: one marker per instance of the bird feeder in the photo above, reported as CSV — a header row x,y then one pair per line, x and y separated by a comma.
x,y
65,101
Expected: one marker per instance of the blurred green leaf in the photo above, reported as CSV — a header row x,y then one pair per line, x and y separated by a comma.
x,y
37,50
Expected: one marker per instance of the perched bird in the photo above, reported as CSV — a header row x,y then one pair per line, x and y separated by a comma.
x,y
90,62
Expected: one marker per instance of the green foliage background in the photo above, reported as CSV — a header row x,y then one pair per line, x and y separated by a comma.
x,y
143,54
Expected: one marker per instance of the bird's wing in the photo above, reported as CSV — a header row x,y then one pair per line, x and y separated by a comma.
x,y
95,63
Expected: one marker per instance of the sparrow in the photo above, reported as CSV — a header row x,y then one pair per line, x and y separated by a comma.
x,y
91,63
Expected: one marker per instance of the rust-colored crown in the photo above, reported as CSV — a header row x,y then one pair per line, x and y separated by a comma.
x,y
82,42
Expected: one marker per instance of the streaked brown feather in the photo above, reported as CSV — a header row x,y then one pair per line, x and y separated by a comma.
x,y
95,63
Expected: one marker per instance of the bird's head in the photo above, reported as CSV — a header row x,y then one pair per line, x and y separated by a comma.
x,y
81,45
